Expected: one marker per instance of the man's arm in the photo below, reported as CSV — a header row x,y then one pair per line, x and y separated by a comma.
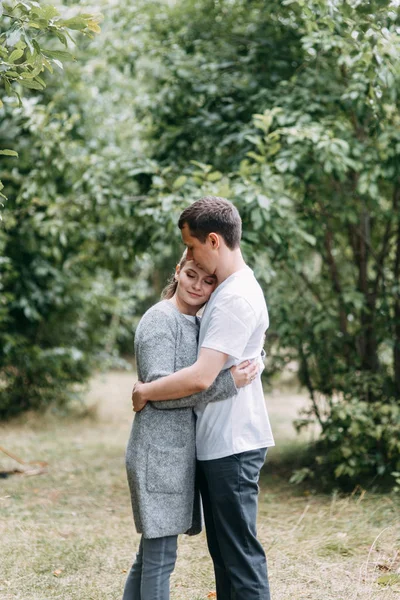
x,y
188,381
225,386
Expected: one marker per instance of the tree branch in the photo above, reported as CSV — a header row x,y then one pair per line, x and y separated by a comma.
x,y
309,385
335,281
380,275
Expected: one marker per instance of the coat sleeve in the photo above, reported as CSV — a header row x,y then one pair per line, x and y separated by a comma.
x,y
222,389
155,346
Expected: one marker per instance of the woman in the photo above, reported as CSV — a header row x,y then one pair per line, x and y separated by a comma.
x,y
160,456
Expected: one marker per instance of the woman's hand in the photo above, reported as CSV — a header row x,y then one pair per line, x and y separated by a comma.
x,y
245,373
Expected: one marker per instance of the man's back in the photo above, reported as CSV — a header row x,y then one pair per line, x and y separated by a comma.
x,y
234,323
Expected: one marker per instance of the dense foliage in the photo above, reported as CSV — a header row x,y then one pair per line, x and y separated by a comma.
x,y
24,58
291,109
316,175
44,294
75,227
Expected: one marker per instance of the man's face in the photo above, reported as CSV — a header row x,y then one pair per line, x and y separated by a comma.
x,y
204,254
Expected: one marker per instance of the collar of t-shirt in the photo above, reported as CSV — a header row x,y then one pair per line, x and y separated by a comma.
x,y
246,270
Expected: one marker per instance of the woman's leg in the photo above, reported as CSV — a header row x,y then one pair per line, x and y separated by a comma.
x,y
159,557
149,576
134,579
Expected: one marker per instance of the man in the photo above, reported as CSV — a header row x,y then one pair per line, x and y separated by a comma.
x,y
232,437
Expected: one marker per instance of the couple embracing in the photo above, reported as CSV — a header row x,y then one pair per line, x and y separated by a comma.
x,y
201,426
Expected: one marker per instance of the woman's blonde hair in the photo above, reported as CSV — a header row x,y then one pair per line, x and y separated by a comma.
x,y
172,284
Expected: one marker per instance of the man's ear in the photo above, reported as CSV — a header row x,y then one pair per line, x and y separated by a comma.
x,y
214,240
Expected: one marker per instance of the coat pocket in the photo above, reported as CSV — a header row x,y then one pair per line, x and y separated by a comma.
x,y
169,470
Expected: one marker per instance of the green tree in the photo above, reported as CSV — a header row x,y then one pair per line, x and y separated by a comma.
x,y
316,176
27,30
35,363
332,140
77,223
205,68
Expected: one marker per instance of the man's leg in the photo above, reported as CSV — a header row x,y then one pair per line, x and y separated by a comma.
x,y
232,484
150,574
222,581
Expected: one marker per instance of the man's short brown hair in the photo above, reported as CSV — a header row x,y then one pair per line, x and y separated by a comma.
x,y
212,214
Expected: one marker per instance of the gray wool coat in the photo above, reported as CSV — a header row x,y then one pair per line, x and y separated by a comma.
x,y
161,452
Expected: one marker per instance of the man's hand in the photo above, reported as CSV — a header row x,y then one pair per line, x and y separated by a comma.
x,y
138,402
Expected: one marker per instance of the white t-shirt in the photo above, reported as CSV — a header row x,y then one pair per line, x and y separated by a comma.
x,y
234,323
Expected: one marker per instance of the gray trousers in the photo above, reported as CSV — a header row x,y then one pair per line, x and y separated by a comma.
x,y
229,491
149,576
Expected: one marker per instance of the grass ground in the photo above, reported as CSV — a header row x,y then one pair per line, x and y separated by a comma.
x,y
68,534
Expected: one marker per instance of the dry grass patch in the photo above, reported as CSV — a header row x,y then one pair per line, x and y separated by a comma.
x,y
68,534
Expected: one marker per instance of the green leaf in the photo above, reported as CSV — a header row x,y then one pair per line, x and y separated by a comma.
x,y
94,26
62,38
310,239
28,75
48,12
8,87
48,65
75,23
178,183
9,153
19,99
29,43
60,54
36,46
33,85
214,176
257,218
40,80
15,55
257,157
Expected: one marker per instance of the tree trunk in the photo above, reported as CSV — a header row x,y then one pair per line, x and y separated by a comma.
x,y
367,344
396,346
334,273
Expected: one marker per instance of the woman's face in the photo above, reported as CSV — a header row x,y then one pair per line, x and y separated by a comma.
x,y
195,286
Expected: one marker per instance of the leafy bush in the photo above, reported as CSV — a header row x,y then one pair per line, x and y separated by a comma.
x,y
360,442
36,378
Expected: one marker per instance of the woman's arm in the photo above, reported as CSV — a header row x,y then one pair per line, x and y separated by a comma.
x,y
155,348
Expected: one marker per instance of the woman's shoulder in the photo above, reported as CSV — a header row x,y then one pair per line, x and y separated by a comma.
x,y
161,315
164,307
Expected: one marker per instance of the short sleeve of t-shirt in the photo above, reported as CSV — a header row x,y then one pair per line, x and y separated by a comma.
x,y
230,326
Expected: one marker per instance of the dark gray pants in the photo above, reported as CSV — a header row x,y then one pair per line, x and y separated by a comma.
x,y
229,491
149,576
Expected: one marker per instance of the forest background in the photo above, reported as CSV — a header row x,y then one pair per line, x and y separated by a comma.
x,y
288,108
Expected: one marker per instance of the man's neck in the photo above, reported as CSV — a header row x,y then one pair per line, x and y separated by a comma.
x,y
231,262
